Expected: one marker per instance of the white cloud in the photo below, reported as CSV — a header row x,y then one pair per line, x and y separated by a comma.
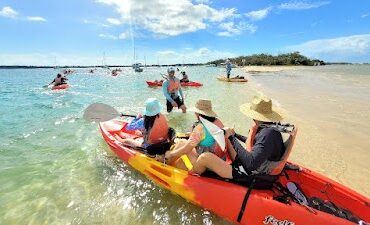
x,y
200,55
113,21
168,17
341,48
36,19
231,29
302,5
365,15
258,14
108,36
203,1
7,11
204,51
124,35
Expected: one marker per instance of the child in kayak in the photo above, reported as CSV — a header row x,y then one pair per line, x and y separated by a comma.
x,y
173,92
265,147
201,139
154,128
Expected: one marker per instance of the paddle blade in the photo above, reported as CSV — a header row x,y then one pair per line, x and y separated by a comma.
x,y
99,112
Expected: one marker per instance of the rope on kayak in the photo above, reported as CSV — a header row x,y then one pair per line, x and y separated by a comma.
x,y
245,200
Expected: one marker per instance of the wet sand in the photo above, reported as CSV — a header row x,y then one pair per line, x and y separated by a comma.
x,y
330,105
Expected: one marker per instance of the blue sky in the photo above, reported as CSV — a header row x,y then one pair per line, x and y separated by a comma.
x,y
73,32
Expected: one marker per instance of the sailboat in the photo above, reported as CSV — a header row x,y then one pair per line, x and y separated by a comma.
x,y
137,66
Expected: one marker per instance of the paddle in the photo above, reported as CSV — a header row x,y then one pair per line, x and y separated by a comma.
x,y
100,112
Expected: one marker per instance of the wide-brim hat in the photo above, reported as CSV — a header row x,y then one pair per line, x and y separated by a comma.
x,y
261,109
152,107
204,107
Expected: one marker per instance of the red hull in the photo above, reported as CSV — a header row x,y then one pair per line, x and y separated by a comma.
x,y
60,87
183,84
225,199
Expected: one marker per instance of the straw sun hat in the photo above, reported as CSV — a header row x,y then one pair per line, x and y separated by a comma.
x,y
261,109
204,107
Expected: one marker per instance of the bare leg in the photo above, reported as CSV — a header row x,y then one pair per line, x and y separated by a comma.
x,y
183,108
210,161
132,142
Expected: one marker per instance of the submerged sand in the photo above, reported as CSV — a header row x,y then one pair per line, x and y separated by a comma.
x,y
330,105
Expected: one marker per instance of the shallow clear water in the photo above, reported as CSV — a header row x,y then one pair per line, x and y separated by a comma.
x,y
55,167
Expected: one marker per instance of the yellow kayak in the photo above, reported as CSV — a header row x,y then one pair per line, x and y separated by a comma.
x,y
225,79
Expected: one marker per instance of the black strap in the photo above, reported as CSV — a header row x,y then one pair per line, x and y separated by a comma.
x,y
245,200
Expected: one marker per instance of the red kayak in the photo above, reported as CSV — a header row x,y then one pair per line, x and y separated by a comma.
x,y
244,204
60,87
183,84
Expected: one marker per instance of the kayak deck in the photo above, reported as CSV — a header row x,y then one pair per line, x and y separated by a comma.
x,y
225,199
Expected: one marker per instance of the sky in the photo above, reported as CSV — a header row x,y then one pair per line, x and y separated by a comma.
x,y
96,32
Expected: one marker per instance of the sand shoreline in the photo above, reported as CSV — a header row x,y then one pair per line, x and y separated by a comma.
x,y
264,69
326,105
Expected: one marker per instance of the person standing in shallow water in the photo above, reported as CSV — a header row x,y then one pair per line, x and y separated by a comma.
x,y
228,68
173,92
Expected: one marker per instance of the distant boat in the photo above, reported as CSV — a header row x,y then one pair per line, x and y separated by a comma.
x,y
137,67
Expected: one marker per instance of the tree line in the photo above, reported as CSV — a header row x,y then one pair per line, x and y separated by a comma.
x,y
294,58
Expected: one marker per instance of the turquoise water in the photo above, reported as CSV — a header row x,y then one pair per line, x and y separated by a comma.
x,y
55,167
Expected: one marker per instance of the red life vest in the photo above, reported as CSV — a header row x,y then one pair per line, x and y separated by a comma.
x,y
173,86
159,132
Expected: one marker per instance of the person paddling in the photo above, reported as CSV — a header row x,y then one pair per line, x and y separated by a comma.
x,y
264,153
59,80
185,77
173,92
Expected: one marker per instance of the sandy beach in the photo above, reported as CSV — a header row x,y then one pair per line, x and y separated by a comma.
x,y
329,104
266,69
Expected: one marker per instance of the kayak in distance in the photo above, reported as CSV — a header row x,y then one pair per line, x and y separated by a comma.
x,y
296,196
183,84
237,79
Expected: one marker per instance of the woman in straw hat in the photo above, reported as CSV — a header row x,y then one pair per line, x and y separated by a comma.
x,y
264,145
200,140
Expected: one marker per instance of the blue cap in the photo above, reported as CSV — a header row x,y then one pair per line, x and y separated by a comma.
x,y
152,107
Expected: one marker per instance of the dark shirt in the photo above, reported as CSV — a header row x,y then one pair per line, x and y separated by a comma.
x,y
268,145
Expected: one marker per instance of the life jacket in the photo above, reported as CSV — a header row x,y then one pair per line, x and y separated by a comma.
x,y
159,132
273,167
173,86
209,144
